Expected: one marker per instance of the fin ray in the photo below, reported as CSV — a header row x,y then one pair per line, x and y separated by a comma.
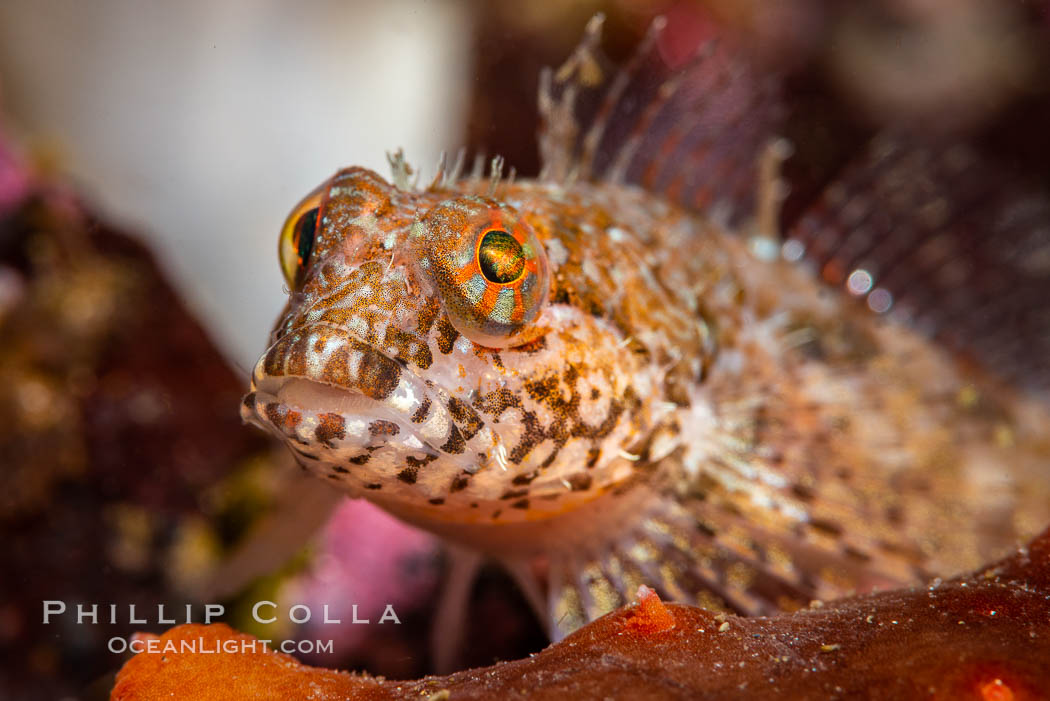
x,y
955,245
612,125
671,550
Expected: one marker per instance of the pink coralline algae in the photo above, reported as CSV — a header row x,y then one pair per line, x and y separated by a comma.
x,y
373,561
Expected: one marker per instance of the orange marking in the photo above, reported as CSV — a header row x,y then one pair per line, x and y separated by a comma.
x,y
996,690
650,615
466,272
519,305
488,299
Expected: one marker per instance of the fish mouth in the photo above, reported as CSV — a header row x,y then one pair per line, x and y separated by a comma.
x,y
335,398
306,395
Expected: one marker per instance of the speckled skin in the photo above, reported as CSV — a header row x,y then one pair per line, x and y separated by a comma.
x,y
682,413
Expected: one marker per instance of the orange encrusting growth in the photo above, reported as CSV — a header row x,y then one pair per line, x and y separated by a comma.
x,y
650,615
996,690
252,672
926,642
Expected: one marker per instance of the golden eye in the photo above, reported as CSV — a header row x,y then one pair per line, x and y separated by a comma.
x,y
500,257
488,266
297,236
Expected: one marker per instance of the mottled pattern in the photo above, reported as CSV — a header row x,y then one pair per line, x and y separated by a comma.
x,y
659,401
487,265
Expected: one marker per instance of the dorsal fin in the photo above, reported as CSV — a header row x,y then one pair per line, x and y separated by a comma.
x,y
689,127
946,239
937,234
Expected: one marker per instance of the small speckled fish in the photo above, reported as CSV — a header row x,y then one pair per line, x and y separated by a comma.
x,y
606,377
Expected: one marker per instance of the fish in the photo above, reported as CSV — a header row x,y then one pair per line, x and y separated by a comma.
x,y
627,372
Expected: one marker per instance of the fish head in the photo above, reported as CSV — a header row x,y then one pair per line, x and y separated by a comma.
x,y
471,358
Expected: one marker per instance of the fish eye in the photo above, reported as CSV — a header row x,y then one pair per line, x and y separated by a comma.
x,y
500,257
489,268
297,237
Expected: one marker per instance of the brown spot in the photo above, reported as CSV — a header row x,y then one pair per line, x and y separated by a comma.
x,y
427,315
381,427
514,494
705,529
633,401
378,375
531,437
437,501
249,400
856,554
496,402
549,460
580,482
420,462
408,475
336,371
421,413
340,469
592,456
803,492
330,427
455,443
295,355
274,413
520,504
465,417
459,483
524,479
272,363
829,527
543,389
447,335
359,459
374,485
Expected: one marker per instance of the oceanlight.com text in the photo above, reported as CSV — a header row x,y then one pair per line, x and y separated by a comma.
x,y
205,646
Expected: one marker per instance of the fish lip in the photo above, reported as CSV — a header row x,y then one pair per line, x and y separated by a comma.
x,y
276,388
259,374
314,401
271,384
432,430
261,381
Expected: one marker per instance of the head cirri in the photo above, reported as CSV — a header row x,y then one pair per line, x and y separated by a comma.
x,y
455,356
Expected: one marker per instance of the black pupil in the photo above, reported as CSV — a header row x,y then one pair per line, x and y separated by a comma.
x,y
501,257
305,229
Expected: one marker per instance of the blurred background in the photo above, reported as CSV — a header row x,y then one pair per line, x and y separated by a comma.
x,y
201,124
149,153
